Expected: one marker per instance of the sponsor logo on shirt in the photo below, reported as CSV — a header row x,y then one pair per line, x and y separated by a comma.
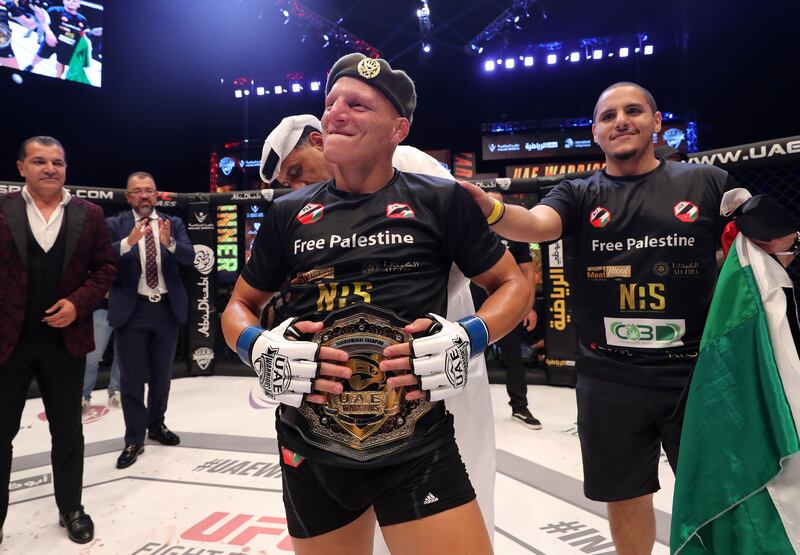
x,y
310,213
644,333
677,269
600,217
399,210
608,272
313,275
686,211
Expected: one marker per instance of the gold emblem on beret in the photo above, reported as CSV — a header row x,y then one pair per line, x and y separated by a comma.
x,y
369,68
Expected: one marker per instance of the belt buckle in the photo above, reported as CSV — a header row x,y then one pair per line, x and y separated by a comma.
x,y
154,297
367,413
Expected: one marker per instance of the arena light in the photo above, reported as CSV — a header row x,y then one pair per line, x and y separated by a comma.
x,y
528,62
426,47
296,87
260,91
510,63
314,86
648,49
488,65
575,57
237,93
624,52
247,92
278,89
552,59
597,54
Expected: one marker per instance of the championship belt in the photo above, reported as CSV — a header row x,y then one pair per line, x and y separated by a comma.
x,y
367,414
5,35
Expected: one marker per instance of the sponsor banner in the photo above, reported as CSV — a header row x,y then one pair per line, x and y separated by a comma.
x,y
464,165
528,171
560,333
541,144
777,150
644,333
201,327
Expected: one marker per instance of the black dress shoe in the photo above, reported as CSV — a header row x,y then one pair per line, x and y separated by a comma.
x,y
79,525
163,435
129,454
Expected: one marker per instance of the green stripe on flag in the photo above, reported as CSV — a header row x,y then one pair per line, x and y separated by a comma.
x,y
738,426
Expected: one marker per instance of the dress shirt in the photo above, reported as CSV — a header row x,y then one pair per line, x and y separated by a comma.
x,y
124,247
45,232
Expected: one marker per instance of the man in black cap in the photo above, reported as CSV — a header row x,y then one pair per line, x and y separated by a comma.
x,y
387,239
293,156
645,232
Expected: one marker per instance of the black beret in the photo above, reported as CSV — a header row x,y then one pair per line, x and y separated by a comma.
x,y
761,217
395,84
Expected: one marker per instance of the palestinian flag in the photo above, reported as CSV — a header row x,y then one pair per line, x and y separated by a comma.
x,y
81,58
737,485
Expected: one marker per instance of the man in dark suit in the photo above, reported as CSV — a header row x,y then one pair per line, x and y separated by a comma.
x,y
147,305
56,264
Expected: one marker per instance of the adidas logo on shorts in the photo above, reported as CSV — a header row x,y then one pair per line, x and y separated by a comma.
x,y
430,498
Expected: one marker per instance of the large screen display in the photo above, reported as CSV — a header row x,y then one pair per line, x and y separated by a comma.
x,y
62,39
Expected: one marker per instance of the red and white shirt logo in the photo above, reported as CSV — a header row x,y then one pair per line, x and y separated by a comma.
x,y
600,217
310,213
399,210
686,211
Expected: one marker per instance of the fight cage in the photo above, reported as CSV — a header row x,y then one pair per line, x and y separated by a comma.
x,y
222,226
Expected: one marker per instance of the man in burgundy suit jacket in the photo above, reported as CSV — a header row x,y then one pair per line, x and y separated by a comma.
x,y
56,264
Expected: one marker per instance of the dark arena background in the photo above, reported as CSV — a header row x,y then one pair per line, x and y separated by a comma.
x,y
187,90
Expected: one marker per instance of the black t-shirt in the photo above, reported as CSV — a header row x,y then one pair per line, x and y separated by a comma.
x,y
644,251
393,248
66,27
520,251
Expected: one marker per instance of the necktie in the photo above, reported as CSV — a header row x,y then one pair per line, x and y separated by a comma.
x,y
151,268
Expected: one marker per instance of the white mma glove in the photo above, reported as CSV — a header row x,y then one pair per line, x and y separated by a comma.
x,y
442,360
286,369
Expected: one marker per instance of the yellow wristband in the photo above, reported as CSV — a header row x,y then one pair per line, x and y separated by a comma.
x,y
498,211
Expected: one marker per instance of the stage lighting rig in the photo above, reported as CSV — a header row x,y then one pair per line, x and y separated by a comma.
x,y
330,33
505,23
425,27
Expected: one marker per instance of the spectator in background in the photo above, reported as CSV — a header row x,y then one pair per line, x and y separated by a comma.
x,y
102,334
56,264
148,304
510,346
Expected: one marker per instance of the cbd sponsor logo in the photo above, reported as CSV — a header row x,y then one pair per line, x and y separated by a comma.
x,y
600,217
399,210
310,213
686,211
641,296
644,333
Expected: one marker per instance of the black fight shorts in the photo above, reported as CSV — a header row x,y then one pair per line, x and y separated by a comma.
x,y
622,429
319,498
62,51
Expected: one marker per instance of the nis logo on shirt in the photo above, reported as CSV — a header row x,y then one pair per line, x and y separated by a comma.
x,y
310,213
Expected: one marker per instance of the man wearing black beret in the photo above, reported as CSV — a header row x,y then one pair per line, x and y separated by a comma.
x,y
373,244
